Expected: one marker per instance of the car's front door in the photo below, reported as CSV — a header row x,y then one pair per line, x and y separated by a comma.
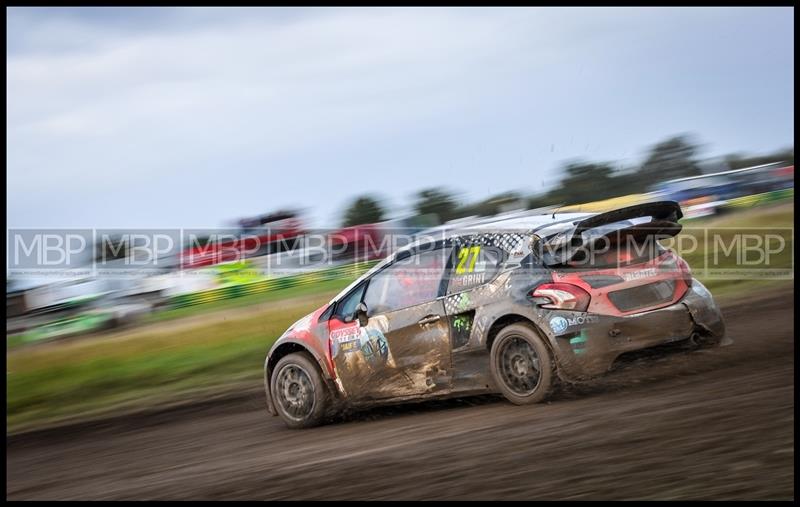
x,y
403,349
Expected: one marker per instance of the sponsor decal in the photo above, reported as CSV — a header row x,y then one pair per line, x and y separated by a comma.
x,y
345,340
468,280
583,319
558,324
578,343
460,329
374,347
345,334
462,323
349,345
638,275
467,256
369,342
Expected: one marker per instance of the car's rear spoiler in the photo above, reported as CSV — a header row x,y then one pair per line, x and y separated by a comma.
x,y
583,235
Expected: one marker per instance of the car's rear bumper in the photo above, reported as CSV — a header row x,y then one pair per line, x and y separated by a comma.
x,y
590,348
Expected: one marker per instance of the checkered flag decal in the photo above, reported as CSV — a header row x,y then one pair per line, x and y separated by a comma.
x,y
505,241
452,304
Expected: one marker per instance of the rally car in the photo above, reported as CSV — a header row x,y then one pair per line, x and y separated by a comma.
x,y
505,307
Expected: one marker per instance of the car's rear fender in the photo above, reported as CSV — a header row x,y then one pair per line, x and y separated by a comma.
x,y
499,316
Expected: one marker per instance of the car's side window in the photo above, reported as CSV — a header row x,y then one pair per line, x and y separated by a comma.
x,y
408,282
347,306
474,265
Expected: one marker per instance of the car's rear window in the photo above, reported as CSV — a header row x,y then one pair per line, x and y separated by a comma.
x,y
617,255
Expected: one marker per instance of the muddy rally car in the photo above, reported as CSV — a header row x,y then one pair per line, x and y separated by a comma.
x,y
509,306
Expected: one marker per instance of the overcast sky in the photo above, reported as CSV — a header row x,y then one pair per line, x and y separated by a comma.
x,y
155,117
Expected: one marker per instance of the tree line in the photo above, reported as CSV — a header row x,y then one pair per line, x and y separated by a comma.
x,y
581,181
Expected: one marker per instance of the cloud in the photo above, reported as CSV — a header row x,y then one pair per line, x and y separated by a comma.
x,y
272,88
180,105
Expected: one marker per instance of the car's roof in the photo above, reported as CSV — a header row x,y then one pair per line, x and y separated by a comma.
x,y
541,224
520,222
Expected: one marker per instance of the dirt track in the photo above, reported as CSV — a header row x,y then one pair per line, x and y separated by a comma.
x,y
703,425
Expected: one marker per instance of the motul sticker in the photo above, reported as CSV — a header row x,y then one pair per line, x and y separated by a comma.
x,y
583,319
560,324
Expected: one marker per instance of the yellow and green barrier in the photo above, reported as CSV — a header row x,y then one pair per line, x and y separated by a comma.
x,y
749,201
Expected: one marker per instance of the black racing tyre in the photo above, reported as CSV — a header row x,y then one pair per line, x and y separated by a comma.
x,y
521,365
298,392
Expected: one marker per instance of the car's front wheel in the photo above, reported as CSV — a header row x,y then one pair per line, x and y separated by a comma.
x,y
521,365
298,391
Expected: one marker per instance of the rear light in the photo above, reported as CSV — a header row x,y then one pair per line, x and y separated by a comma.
x,y
561,296
686,272
672,263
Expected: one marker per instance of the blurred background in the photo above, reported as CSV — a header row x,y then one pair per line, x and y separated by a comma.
x,y
277,125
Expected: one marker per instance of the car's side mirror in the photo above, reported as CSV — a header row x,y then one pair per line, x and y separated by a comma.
x,y
361,314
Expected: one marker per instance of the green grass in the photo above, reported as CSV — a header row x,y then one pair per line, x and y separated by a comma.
x,y
183,360
15,340
774,219
85,377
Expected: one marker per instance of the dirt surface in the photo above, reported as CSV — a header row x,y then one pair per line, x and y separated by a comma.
x,y
712,424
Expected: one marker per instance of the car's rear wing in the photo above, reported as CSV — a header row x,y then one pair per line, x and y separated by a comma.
x,y
653,219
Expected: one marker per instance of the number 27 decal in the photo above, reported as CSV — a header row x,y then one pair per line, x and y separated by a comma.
x,y
463,255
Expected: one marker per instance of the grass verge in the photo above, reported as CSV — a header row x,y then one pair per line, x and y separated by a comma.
x,y
88,377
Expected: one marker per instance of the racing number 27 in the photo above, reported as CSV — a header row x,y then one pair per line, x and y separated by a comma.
x,y
464,254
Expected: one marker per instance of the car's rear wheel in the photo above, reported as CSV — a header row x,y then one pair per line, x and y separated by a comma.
x,y
298,391
521,365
